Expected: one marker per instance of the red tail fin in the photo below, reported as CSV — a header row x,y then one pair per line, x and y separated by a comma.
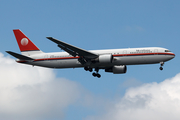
x,y
25,44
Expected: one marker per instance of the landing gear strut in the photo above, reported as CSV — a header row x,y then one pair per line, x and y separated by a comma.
x,y
162,63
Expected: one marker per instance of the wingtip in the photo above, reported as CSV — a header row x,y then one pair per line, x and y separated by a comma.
x,y
49,37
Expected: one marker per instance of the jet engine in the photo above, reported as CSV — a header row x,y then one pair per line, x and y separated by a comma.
x,y
107,58
117,69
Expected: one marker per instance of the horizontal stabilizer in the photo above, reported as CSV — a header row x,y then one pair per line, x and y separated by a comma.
x,y
19,56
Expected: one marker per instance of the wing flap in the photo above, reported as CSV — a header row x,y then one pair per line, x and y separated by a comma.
x,y
72,50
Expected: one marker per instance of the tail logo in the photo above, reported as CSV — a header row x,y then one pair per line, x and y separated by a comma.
x,y
24,41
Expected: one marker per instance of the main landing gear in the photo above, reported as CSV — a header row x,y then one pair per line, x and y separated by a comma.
x,y
161,63
95,74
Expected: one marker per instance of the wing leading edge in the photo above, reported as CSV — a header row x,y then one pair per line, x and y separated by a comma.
x,y
72,50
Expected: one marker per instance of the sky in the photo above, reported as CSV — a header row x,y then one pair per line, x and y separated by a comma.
x,y
144,92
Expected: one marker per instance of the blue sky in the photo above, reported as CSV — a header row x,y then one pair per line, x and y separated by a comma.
x,y
103,24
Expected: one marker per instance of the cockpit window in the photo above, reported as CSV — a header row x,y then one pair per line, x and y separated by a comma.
x,y
167,51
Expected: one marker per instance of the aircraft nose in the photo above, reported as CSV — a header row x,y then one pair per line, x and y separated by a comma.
x,y
172,55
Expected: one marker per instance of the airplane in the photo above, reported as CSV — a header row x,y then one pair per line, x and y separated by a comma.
x,y
111,60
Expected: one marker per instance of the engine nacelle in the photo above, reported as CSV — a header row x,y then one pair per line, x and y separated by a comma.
x,y
117,69
107,58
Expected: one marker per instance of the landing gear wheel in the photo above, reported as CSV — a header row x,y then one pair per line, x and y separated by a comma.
x,y
86,68
94,74
90,70
161,68
98,75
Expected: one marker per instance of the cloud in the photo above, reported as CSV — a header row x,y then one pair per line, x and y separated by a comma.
x,y
32,92
158,101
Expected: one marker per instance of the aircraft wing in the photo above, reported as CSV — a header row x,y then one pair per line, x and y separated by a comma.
x,y
72,50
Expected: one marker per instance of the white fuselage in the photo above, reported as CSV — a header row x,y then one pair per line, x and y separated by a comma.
x,y
130,56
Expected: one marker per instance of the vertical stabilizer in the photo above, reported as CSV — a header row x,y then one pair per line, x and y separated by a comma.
x,y
26,46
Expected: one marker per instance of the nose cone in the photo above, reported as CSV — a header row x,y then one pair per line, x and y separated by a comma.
x,y
171,55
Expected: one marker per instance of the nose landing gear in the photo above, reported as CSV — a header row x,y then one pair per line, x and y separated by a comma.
x,y
161,63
